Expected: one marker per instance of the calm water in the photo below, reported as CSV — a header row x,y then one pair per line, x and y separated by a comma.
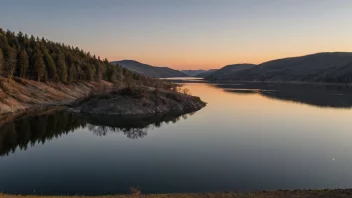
x,y
249,137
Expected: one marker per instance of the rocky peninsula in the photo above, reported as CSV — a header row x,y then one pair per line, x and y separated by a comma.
x,y
138,101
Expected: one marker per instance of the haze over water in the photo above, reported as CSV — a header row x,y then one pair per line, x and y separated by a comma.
x,y
245,139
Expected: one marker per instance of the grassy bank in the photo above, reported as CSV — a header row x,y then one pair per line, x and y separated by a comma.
x,y
264,194
19,94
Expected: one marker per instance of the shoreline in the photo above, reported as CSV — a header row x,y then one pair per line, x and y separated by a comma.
x,y
323,193
66,102
112,103
204,80
138,101
279,82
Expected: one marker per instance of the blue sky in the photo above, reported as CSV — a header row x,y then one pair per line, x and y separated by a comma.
x,y
187,34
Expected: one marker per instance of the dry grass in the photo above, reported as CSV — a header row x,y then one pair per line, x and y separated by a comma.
x,y
19,94
265,194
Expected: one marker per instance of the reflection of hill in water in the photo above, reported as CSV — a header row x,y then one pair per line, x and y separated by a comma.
x,y
27,130
132,127
316,95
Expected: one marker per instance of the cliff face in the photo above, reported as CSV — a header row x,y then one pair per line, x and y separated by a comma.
x,y
19,94
143,101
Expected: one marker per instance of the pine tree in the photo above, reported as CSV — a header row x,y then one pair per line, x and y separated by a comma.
x,y
90,73
23,64
98,70
39,65
61,68
119,77
10,64
3,41
34,58
51,67
72,74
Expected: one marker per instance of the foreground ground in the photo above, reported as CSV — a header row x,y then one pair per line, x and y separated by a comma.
x,y
265,194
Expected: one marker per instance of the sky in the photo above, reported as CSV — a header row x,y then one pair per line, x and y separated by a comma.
x,y
187,34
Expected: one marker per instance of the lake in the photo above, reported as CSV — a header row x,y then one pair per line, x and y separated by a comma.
x,y
251,136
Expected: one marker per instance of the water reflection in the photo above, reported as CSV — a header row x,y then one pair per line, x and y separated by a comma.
x,y
27,130
132,127
316,95
239,142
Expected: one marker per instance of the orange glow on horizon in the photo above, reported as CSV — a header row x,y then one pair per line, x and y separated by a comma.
x,y
209,63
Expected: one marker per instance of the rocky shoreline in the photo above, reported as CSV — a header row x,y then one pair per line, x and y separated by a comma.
x,y
138,101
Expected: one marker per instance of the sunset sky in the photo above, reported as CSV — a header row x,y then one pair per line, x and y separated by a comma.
x,y
187,34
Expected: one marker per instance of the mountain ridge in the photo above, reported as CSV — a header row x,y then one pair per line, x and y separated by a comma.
x,y
149,70
327,67
193,73
228,70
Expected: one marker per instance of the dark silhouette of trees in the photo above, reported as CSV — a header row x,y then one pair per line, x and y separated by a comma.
x,y
23,63
61,68
39,65
51,67
32,129
35,58
10,64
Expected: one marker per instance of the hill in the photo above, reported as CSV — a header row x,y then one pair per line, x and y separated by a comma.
x,y
36,72
206,73
334,67
149,70
20,94
193,72
227,71
33,58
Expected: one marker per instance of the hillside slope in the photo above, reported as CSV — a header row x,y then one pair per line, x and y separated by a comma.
x,y
20,94
206,73
333,67
228,71
149,70
193,72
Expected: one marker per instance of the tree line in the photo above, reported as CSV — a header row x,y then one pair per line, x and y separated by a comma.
x,y
39,59
24,132
28,130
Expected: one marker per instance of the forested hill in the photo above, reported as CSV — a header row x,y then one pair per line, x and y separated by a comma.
x,y
149,70
39,59
193,72
206,73
227,71
327,67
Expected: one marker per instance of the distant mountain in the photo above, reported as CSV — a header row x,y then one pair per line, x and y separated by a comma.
x,y
206,73
193,72
335,67
149,70
228,71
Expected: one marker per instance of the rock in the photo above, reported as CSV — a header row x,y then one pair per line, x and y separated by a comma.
x,y
142,101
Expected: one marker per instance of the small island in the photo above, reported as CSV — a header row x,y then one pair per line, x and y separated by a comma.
x,y
138,101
